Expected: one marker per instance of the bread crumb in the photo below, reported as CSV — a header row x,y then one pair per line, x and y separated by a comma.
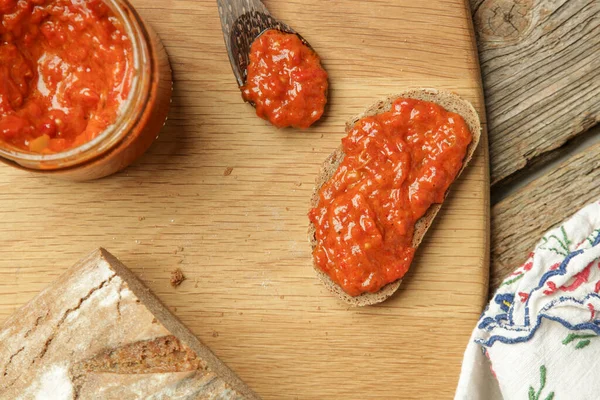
x,y
298,184
154,321
287,209
141,218
228,171
177,277
215,334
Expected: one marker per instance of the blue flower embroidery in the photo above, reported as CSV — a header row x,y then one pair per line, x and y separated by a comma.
x,y
504,300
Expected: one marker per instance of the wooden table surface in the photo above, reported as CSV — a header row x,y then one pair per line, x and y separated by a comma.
x,y
224,196
540,63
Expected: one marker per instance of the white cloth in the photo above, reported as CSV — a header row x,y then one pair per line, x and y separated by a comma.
x,y
538,337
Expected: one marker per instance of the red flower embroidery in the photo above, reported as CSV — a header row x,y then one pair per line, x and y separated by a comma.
x,y
551,288
524,296
579,279
592,310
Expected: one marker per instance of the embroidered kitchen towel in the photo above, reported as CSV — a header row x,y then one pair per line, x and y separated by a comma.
x,y
538,337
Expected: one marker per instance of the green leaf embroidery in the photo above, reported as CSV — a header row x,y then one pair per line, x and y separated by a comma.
x,y
512,280
563,244
536,396
542,381
593,236
572,336
582,344
567,241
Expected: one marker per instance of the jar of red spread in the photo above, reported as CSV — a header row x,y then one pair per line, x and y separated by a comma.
x,y
85,86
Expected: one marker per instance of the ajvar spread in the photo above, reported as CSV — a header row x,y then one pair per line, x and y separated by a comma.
x,y
65,71
396,165
286,81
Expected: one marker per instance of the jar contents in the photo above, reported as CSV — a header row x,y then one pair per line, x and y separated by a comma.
x,y
396,165
286,81
66,69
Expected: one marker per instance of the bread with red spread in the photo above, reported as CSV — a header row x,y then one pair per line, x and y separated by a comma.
x,y
449,101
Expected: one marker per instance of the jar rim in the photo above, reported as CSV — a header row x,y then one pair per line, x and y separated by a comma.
x,y
115,132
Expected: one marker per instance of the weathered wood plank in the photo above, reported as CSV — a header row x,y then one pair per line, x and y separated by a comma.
x,y
540,63
521,219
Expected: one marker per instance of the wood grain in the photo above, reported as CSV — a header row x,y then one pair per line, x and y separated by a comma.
x,y
520,220
224,196
540,63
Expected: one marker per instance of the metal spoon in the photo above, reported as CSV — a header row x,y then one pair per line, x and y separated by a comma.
x,y
242,22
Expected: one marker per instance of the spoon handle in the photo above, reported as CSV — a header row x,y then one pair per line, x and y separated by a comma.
x,y
242,22
231,12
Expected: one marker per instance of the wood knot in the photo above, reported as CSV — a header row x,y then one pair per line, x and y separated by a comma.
x,y
503,20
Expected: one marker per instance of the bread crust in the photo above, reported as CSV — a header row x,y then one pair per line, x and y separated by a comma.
x,y
99,333
448,100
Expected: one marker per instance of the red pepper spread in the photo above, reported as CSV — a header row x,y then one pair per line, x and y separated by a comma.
x,y
397,165
286,81
65,71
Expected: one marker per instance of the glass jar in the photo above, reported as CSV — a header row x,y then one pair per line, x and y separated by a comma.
x,y
142,115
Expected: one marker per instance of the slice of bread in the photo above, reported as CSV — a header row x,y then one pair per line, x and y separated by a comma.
x,y
447,100
99,333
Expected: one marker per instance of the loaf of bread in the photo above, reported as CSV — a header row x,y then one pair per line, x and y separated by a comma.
x,y
99,333
447,100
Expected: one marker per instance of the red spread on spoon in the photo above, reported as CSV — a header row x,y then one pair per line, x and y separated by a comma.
x,y
286,81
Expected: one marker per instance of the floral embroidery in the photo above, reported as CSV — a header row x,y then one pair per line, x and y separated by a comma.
x,y
584,340
593,236
523,296
562,245
511,281
536,396
520,272
504,300
548,309
564,284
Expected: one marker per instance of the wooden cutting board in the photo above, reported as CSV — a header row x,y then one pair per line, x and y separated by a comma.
x,y
224,196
